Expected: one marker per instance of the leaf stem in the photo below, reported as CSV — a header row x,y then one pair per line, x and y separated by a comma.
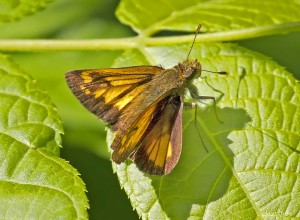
x,y
68,45
137,42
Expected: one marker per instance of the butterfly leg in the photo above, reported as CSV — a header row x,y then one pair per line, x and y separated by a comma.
x,y
194,93
195,106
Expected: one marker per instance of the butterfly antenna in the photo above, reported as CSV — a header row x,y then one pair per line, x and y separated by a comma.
x,y
197,31
218,72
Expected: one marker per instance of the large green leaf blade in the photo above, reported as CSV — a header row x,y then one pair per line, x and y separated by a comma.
x,y
26,111
148,17
251,167
35,182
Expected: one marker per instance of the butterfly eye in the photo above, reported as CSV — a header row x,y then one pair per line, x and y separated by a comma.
x,y
190,72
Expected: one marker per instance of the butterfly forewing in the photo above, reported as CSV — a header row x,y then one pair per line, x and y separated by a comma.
x,y
106,92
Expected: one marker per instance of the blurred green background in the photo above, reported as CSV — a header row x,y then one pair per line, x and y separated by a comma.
x,y
84,140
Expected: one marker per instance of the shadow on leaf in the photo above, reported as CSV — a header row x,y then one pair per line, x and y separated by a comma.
x,y
200,177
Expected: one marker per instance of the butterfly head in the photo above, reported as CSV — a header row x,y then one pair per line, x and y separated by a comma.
x,y
191,69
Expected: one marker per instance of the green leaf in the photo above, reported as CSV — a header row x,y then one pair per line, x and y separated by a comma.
x,y
11,10
35,182
147,17
251,169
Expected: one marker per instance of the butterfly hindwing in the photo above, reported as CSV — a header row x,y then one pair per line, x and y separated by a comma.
x,y
154,141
